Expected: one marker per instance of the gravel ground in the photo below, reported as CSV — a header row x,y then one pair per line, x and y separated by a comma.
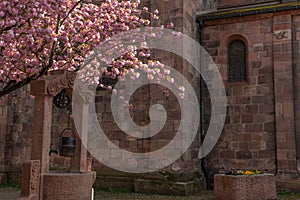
x,y
13,194
9,193
103,195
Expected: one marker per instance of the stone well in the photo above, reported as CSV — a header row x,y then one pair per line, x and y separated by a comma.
x,y
37,183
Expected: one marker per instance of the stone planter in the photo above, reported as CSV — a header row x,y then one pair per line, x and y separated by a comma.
x,y
245,187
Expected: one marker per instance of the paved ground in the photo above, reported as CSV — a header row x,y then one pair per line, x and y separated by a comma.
x,y
13,194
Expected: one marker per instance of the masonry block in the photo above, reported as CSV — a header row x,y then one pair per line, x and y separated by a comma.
x,y
164,187
245,187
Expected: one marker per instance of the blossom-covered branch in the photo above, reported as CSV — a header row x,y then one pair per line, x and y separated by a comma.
x,y
37,36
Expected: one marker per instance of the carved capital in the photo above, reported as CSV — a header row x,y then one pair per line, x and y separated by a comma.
x,y
64,81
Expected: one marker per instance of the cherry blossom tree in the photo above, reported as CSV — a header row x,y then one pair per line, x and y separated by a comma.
x,y
37,36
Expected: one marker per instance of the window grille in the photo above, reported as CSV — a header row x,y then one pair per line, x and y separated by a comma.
x,y
237,61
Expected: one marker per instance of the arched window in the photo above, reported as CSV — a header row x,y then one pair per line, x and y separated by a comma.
x,y
237,61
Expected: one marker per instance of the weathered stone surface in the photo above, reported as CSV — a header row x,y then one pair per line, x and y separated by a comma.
x,y
165,187
30,180
115,182
245,187
284,183
68,186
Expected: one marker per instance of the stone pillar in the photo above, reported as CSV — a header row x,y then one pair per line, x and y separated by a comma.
x,y
30,180
3,135
79,160
283,90
41,132
296,68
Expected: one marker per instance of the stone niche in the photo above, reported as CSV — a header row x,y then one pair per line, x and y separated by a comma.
x,y
245,187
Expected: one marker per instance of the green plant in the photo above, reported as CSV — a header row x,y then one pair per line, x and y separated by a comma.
x,y
244,172
284,193
288,195
10,184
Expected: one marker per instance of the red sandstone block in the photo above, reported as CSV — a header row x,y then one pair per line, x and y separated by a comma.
x,y
290,137
269,127
242,100
237,91
254,127
266,154
289,145
258,99
286,47
227,154
265,29
282,18
282,56
277,48
237,137
248,136
235,119
281,154
286,165
282,124
256,145
254,187
265,70
239,128
253,109
257,137
247,118
243,155
266,108
290,154
281,137
259,118
263,79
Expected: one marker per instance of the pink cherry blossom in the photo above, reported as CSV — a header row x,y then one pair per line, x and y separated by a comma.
x,y
37,36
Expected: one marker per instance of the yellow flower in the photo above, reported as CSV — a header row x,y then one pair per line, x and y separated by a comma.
x,y
247,172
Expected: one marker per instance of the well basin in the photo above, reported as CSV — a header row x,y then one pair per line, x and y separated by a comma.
x,y
68,186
